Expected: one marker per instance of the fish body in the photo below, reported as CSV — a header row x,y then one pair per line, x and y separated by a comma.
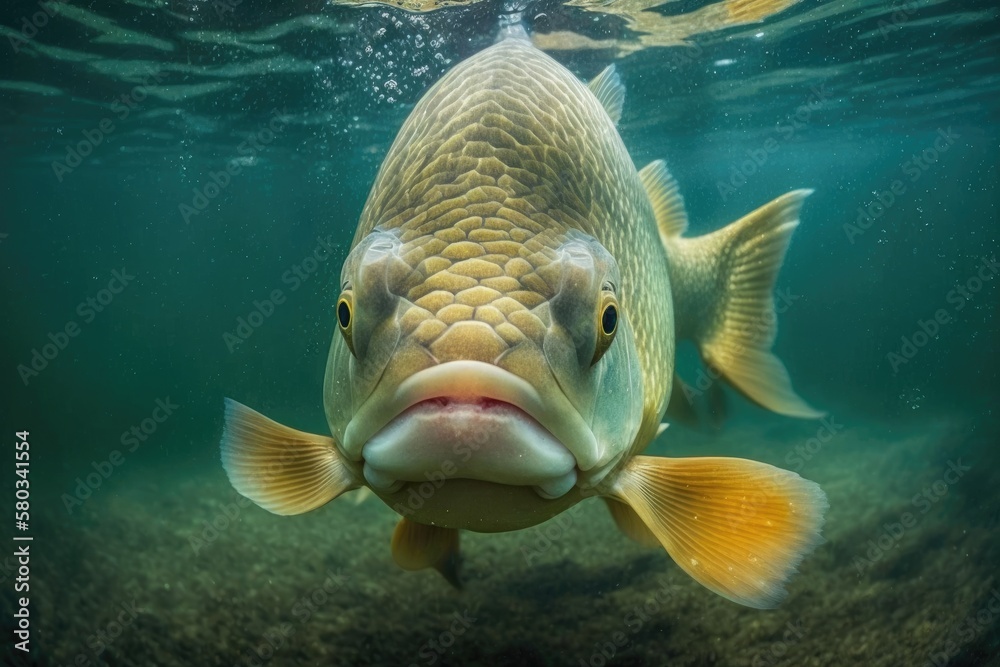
x,y
507,321
492,197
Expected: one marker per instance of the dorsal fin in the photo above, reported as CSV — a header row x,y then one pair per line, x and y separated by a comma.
x,y
665,196
609,90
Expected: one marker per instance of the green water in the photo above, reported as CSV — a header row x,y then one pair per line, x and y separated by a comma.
x,y
173,170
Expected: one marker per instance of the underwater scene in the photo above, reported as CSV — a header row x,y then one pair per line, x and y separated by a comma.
x,y
524,332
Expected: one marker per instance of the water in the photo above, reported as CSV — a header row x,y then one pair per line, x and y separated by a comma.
x,y
219,145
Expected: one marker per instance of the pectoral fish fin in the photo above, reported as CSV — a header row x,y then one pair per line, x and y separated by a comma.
x,y
416,546
665,196
630,524
283,470
609,90
735,269
738,527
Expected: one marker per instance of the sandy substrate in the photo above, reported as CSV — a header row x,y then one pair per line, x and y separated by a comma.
x,y
141,576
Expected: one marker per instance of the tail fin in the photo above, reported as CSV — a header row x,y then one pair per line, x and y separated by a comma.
x,y
722,285
739,346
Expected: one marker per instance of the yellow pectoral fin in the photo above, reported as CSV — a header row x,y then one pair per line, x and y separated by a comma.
x,y
738,527
416,546
283,470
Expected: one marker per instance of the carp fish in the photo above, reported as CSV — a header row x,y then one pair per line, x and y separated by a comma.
x,y
505,334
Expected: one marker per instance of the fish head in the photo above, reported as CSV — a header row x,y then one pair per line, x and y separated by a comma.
x,y
495,356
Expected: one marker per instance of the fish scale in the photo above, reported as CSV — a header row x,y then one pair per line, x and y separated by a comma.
x,y
497,155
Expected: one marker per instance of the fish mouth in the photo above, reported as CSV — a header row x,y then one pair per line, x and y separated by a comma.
x,y
471,420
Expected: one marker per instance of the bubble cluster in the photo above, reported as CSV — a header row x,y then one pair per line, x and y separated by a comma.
x,y
393,58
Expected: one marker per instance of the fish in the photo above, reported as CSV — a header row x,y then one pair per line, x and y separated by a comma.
x,y
504,340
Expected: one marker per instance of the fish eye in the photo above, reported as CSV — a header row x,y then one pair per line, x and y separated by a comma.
x,y
344,314
345,318
609,319
607,325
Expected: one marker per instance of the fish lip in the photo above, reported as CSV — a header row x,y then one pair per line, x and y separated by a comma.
x,y
452,401
472,381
